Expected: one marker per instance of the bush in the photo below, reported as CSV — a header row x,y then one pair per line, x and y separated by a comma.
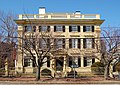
x,y
46,72
72,73
117,67
97,68
97,64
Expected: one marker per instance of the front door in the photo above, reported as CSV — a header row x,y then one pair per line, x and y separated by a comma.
x,y
59,64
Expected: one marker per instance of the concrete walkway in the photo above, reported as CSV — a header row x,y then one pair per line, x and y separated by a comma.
x,y
87,80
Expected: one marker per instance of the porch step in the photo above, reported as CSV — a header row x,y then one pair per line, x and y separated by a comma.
x,y
58,74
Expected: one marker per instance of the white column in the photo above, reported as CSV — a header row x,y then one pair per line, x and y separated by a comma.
x,y
19,67
82,61
6,67
81,43
53,67
76,60
81,28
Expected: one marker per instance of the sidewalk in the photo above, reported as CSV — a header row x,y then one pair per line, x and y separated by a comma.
x,y
93,80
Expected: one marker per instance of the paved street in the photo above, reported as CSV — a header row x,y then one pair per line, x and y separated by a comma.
x,y
55,84
58,83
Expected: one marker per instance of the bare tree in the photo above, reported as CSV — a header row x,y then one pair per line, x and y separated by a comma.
x,y
38,46
109,49
8,32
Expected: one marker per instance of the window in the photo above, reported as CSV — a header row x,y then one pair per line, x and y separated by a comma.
x,y
44,43
88,28
76,61
27,62
74,43
59,28
60,43
88,43
88,61
44,28
33,43
34,28
59,63
29,43
74,28
28,28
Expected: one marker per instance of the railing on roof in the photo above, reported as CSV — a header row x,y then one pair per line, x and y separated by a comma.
x,y
59,16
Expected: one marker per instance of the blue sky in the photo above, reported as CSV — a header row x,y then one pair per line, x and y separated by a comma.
x,y
109,9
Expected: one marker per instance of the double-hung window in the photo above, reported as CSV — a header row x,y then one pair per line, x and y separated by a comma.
x,y
44,43
28,28
44,28
59,28
74,28
88,28
88,61
74,43
60,43
74,61
88,43
27,61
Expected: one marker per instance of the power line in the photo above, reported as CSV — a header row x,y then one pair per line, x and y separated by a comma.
x,y
111,37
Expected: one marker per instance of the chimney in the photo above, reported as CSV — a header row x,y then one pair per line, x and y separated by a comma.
x,y
41,10
77,12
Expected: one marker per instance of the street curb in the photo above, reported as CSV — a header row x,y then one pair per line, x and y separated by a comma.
x,y
62,82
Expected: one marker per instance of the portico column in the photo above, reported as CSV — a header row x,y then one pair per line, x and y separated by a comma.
x,y
6,67
53,67
81,43
82,61
19,64
65,66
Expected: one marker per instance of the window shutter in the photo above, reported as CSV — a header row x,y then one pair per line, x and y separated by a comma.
x,y
40,44
34,44
63,43
79,43
70,43
93,60
33,63
54,28
34,28
40,27
70,61
92,28
48,28
78,28
55,44
84,28
25,29
79,62
70,28
48,61
85,61
84,43
48,43
63,28
93,43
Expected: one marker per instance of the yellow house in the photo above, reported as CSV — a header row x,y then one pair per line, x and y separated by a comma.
x,y
77,33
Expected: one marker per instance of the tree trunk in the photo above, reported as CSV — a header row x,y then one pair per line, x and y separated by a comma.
x,y
106,73
119,75
38,73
